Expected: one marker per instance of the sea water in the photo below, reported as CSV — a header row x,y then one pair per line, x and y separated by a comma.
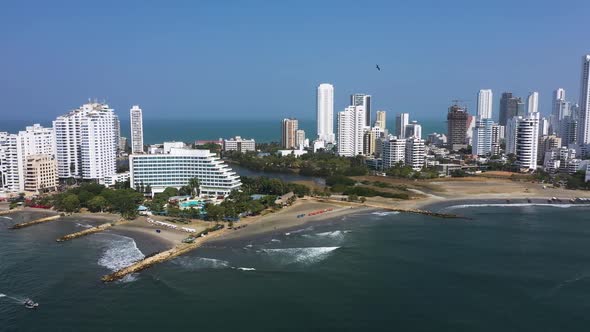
x,y
515,268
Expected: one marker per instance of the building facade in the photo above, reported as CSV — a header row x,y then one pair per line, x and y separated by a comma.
x,y
484,104
325,113
178,167
482,137
362,100
239,144
288,133
351,124
381,119
584,111
457,121
136,119
393,151
401,121
40,174
510,107
86,146
522,139
415,153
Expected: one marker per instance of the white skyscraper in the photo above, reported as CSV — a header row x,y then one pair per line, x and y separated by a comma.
x,y
85,142
522,139
351,124
361,99
9,163
393,151
136,119
325,112
401,121
584,112
415,152
532,103
482,137
484,104
560,108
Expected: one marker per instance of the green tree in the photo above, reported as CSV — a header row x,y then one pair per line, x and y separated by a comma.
x,y
194,185
97,204
71,203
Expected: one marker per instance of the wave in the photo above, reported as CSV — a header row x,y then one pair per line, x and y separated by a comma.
x,y
121,252
199,263
383,214
83,225
2,295
275,240
338,235
245,268
563,206
300,255
4,217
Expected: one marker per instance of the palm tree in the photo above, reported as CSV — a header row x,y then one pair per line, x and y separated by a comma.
x,y
194,185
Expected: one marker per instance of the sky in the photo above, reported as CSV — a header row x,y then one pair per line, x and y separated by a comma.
x,y
264,59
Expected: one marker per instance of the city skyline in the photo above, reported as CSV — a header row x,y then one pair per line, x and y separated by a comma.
x,y
181,81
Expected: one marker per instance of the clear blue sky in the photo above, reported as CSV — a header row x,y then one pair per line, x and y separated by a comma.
x,y
264,59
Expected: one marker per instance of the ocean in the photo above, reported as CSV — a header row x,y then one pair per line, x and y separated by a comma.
x,y
190,129
514,268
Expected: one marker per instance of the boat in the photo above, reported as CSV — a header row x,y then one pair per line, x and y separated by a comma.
x,y
30,304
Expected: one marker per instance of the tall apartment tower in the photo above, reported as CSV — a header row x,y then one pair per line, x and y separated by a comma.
x,y
325,112
85,143
413,129
289,133
532,103
381,119
510,107
522,139
401,121
584,111
136,119
351,124
482,137
484,104
457,119
360,99
10,180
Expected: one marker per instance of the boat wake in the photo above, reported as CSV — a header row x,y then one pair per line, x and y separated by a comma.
x,y
8,218
336,235
563,206
299,255
121,252
83,225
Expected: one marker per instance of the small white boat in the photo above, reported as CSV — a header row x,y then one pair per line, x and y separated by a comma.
x,y
30,304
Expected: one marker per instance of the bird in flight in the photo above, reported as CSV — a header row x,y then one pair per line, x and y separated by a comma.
x,y
379,69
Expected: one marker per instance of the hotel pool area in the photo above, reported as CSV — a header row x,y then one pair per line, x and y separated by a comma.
x,y
197,204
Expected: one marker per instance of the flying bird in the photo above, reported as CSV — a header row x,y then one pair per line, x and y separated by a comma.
x,y
379,69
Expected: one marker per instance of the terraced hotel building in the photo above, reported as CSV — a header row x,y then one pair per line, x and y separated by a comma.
x,y
176,168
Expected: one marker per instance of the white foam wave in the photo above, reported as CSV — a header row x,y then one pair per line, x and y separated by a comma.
x,y
4,217
2,295
300,255
84,225
275,240
121,252
199,263
338,235
383,214
246,269
563,206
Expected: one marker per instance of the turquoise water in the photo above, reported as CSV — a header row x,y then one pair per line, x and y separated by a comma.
x,y
520,268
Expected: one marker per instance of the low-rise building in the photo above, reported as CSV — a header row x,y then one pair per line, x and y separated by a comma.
x,y
239,144
112,180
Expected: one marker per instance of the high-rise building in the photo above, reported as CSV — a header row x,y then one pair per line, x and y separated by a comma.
x,y
510,106
380,120
401,121
413,130
543,126
558,109
393,151
484,104
584,111
415,152
351,124
325,112
522,139
369,140
569,131
10,180
457,127
498,134
85,143
547,143
300,138
532,102
40,174
136,119
361,99
288,133
482,137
